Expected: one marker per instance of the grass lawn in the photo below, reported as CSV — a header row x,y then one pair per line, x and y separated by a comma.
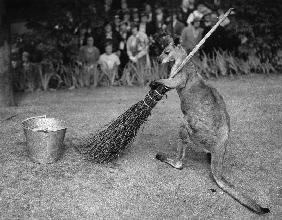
x,y
137,186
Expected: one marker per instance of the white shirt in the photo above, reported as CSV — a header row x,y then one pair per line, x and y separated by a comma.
x,y
142,28
108,61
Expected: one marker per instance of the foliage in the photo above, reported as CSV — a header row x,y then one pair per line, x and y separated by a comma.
x,y
136,74
48,73
222,63
259,22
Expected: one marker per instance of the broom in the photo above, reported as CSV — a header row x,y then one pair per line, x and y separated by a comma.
x,y
107,144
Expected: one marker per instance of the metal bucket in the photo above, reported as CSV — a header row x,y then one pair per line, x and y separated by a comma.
x,y
44,138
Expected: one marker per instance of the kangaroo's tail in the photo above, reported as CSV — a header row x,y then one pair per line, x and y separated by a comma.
x,y
216,167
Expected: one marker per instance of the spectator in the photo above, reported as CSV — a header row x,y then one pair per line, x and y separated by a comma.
x,y
88,57
206,21
187,7
148,11
82,32
110,34
109,62
30,73
124,33
135,16
124,7
200,12
144,26
160,21
176,26
108,6
210,4
191,35
126,20
116,24
137,47
216,4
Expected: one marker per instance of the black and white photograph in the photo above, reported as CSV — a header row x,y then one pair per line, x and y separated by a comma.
x,y
140,109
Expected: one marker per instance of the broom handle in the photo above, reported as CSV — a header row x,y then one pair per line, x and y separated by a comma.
x,y
196,48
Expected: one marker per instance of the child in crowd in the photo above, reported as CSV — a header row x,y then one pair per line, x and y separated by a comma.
x,y
109,62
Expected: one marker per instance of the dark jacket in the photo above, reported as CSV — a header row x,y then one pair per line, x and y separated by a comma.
x,y
115,38
150,29
177,29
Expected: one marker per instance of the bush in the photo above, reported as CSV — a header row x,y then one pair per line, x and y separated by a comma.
x,y
222,63
260,23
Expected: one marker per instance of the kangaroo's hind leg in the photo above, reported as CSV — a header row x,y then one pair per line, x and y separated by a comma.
x,y
182,144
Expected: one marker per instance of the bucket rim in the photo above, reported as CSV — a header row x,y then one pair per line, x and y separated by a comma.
x,y
65,128
44,117
34,117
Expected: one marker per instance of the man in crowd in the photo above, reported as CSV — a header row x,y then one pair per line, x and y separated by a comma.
x,y
125,34
149,12
116,24
145,26
159,20
187,7
110,34
175,27
137,47
191,35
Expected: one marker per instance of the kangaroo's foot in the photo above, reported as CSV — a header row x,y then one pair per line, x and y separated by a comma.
x,y
178,164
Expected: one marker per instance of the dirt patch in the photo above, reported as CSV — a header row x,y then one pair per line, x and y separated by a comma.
x,y
137,186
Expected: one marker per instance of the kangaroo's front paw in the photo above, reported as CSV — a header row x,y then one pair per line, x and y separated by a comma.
x,y
155,84
161,157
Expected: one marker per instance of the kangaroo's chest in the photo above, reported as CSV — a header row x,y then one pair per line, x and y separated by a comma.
x,y
196,98
202,106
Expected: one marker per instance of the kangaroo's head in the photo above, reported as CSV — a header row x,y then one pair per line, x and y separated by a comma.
x,y
173,53
177,54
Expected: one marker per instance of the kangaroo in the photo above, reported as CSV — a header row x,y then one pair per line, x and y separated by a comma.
x,y
206,123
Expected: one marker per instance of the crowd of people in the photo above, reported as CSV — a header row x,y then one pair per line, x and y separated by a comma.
x,y
129,35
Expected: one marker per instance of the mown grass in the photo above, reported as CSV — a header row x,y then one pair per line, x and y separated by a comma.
x,y
137,186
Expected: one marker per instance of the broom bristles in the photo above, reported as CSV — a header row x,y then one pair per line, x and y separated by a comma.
x,y
108,143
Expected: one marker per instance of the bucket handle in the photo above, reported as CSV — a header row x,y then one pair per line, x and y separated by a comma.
x,y
41,116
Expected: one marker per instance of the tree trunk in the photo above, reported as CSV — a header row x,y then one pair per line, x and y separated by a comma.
x,y
6,90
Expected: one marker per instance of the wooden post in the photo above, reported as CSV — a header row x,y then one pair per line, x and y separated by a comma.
x,y
6,90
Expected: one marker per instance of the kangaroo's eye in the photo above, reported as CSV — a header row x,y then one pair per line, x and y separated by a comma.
x,y
166,52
